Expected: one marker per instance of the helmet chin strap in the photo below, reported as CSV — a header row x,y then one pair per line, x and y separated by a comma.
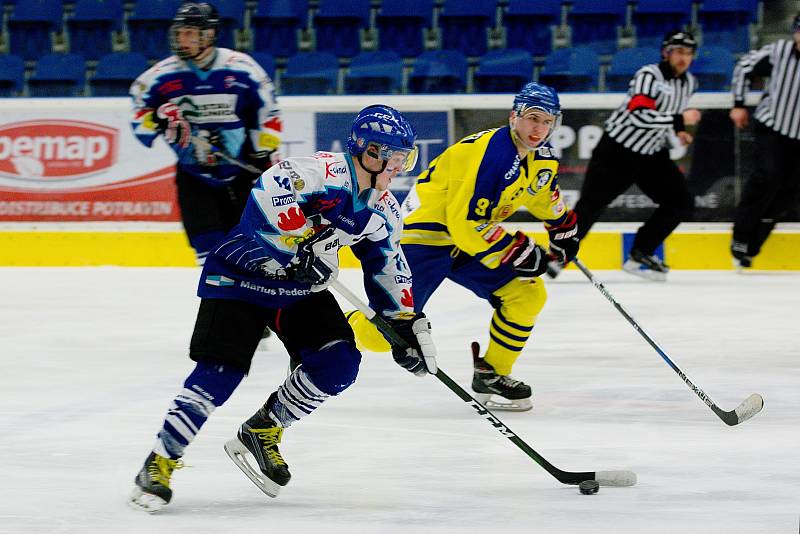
x,y
373,176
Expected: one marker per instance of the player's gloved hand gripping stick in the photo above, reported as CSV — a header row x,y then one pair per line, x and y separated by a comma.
x,y
604,478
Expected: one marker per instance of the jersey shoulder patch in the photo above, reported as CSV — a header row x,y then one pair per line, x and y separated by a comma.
x,y
546,151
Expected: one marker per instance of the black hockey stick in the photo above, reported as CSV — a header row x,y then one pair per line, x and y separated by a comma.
x,y
604,478
747,409
206,145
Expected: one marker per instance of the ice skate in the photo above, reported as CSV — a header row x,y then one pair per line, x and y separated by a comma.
x,y
152,491
646,266
498,392
741,260
271,471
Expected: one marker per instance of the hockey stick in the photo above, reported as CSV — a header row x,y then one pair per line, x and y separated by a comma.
x,y
747,409
604,478
206,145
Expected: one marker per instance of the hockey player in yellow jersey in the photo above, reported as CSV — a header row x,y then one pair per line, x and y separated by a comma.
x,y
452,229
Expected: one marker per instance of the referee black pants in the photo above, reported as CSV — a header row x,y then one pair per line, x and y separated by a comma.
x,y
613,169
771,189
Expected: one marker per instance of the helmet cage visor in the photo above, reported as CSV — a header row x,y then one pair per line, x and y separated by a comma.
x,y
206,38
531,112
402,160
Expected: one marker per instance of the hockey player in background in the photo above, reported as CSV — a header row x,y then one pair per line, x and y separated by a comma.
x,y
452,229
272,270
208,103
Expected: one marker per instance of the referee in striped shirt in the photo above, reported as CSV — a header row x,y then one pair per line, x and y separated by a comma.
x,y
634,149
772,188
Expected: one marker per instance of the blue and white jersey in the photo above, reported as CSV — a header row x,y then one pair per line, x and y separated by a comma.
x,y
291,201
231,104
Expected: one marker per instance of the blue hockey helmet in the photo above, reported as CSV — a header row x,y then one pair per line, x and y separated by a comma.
x,y
385,129
535,96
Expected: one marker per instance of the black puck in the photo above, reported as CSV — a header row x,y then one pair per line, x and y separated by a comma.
x,y
589,487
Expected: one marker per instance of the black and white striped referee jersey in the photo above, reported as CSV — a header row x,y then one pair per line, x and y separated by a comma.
x,y
653,106
779,109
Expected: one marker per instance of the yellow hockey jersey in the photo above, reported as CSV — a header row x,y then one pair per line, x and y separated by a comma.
x,y
476,184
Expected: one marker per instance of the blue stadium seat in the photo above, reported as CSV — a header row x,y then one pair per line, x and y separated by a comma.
x,y
116,72
439,71
626,62
594,23
529,23
267,62
148,27
464,25
654,18
727,23
310,73
571,69
337,25
401,26
231,17
713,66
275,25
91,26
503,71
374,73
12,75
31,26
58,75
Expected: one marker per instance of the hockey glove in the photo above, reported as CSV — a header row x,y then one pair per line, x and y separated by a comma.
x,y
564,239
419,357
176,128
317,260
528,259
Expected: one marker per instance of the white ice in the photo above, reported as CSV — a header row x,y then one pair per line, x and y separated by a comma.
x,y
91,358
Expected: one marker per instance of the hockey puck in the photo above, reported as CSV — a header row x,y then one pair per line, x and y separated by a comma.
x,y
589,487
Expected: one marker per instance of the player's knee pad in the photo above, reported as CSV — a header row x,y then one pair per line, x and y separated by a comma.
x,y
368,337
334,367
214,382
522,300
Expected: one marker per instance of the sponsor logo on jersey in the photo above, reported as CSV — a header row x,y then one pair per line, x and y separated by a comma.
x,y
273,123
400,279
56,149
230,81
493,234
325,205
513,172
170,87
347,220
299,184
505,211
545,152
324,155
291,220
282,200
407,299
334,169
283,182
219,280
555,195
559,208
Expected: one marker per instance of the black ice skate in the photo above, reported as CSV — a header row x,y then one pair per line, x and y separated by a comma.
x,y
152,491
498,392
741,259
262,444
646,266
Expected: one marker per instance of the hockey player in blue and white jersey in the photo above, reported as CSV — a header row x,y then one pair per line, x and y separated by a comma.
x,y
272,270
215,107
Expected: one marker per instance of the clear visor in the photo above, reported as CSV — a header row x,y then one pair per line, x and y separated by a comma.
x,y
398,160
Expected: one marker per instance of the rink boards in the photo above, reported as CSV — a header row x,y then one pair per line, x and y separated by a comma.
x,y
691,246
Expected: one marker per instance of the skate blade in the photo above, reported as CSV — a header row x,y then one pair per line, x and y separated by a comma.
x,y
239,454
647,274
147,502
498,403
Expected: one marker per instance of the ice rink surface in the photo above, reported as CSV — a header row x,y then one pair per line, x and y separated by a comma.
x,y
91,358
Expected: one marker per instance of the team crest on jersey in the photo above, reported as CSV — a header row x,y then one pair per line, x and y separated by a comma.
x,y
545,152
542,177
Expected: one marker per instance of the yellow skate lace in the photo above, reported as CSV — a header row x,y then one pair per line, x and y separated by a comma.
x,y
269,438
160,469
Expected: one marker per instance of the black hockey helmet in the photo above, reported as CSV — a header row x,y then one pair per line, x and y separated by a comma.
x,y
200,15
679,38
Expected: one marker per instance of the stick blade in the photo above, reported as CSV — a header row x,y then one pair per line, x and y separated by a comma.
x,y
749,407
615,478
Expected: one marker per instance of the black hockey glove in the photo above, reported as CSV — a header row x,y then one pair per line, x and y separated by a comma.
x,y
528,259
564,241
419,357
317,260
